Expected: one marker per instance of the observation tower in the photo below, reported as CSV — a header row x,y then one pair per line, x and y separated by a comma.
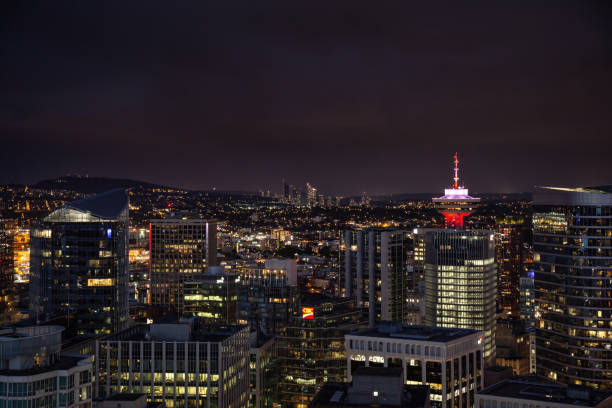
x,y
456,203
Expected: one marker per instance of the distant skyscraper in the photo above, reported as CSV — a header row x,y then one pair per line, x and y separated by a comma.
x,y
460,282
572,244
456,203
180,249
6,271
79,263
311,194
373,272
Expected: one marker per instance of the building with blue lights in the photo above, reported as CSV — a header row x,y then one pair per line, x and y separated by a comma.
x,y
79,264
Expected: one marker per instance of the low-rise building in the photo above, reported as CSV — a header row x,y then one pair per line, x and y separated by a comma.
x,y
536,392
372,387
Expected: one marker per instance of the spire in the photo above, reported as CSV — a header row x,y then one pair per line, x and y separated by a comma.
x,y
456,178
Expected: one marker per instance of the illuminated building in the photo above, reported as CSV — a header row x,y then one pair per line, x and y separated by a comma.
x,y
456,203
79,263
311,351
418,273
179,364
268,295
508,258
531,391
212,297
449,361
263,371
311,195
179,250
572,244
21,255
460,282
373,387
527,300
33,373
373,272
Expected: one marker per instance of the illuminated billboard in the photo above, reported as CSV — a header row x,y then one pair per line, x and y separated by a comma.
x,y
100,282
308,313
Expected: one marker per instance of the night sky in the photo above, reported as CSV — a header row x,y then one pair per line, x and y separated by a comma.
x,y
350,96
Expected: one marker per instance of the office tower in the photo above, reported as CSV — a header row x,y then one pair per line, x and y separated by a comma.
x,y
512,341
449,361
179,250
415,308
311,351
268,295
285,192
79,263
33,373
456,203
373,387
508,258
213,297
373,272
264,371
460,282
21,255
418,264
572,233
179,364
531,391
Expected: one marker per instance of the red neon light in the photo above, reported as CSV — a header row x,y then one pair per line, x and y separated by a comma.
x,y
308,313
454,220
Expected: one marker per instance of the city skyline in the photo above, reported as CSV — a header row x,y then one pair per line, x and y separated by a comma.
x,y
265,91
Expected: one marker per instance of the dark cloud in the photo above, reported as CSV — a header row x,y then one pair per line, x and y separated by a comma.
x,y
351,96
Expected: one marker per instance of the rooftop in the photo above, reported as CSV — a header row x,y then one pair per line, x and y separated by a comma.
x,y
422,333
107,205
65,362
539,389
178,331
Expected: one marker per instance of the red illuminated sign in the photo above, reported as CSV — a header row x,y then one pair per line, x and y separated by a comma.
x,y
308,313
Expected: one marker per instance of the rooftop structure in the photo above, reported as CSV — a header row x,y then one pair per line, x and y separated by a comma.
x,y
373,387
456,203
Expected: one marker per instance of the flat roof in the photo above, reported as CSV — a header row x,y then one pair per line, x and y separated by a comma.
x,y
334,394
410,332
65,362
540,389
125,396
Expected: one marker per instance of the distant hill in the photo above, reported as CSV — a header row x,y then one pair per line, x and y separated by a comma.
x,y
91,185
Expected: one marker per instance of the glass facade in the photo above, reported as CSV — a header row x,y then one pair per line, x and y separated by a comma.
x,y
213,298
373,272
312,350
79,264
460,282
572,243
180,249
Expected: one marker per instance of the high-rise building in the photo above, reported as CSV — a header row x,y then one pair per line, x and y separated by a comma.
x,y
508,258
33,373
79,263
311,194
179,250
180,364
311,351
572,244
460,282
373,272
6,272
213,297
449,361
456,203
264,372
268,295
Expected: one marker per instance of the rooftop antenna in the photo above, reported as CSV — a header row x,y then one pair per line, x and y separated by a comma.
x,y
456,178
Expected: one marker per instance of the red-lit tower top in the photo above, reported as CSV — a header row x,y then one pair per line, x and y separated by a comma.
x,y
456,203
